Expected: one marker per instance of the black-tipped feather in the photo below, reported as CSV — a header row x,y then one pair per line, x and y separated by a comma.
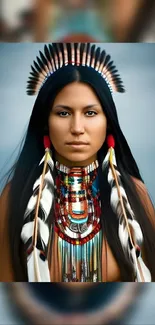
x,y
103,56
108,57
69,52
113,70
61,47
33,79
35,75
47,53
92,53
82,47
87,51
43,58
56,52
34,70
97,55
52,51
75,48
40,63
110,65
37,66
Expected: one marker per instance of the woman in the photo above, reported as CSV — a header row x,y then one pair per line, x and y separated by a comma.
x,y
83,213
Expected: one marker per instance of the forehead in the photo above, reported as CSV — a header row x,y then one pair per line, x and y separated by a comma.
x,y
77,92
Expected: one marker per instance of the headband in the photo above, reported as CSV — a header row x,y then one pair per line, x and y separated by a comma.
x,y
58,55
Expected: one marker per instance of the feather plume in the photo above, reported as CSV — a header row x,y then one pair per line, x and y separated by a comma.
x,y
129,230
35,231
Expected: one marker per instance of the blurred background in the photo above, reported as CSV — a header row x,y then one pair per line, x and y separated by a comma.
x,y
77,20
18,308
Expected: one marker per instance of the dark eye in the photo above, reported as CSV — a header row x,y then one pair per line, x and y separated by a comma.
x,y
91,113
63,113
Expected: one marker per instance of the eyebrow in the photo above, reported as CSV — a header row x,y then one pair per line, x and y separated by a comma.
x,y
70,108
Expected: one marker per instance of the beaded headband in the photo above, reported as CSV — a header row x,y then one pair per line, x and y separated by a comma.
x,y
58,55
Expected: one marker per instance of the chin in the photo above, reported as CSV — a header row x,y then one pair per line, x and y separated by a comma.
x,y
79,160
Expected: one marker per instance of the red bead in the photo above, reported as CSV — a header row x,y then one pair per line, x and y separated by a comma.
x,y
46,142
110,141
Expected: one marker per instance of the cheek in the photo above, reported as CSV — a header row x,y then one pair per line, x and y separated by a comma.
x,y
53,131
57,131
99,129
57,125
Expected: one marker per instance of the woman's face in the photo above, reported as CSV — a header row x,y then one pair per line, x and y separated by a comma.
x,y
77,125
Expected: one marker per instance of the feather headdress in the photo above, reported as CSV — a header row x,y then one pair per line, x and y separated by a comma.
x,y
58,55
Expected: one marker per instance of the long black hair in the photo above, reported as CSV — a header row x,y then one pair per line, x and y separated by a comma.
x,y
26,171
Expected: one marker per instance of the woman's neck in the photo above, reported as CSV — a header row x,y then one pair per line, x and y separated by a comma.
x,y
68,163
73,169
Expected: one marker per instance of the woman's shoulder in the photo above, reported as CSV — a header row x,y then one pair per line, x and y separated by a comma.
x,y
5,191
4,205
6,271
4,198
145,199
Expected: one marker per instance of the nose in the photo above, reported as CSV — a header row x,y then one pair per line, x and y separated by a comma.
x,y
77,125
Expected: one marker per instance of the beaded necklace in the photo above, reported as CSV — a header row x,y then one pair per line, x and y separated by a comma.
x,y
77,222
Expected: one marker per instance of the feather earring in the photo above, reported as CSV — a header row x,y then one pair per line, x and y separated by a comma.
x,y
129,230
35,231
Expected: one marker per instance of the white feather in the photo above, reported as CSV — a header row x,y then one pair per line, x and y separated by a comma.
x,y
37,183
31,204
123,231
43,230
27,231
123,236
145,271
37,269
137,231
46,201
106,160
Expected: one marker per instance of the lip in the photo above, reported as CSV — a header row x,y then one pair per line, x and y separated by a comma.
x,y
77,146
77,143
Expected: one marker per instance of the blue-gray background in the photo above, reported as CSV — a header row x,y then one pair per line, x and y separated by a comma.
x,y
136,111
